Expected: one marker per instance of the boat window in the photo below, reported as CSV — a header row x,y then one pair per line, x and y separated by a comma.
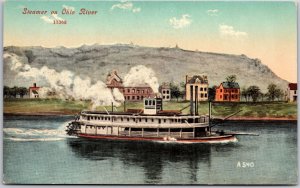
x,y
127,119
140,119
165,120
108,118
105,118
121,119
153,102
150,102
146,120
146,102
152,120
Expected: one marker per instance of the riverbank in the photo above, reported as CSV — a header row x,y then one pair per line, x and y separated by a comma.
x,y
266,111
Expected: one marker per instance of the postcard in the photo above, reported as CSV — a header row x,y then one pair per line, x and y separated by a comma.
x,y
150,92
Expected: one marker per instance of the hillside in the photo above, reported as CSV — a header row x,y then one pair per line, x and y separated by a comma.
x,y
169,64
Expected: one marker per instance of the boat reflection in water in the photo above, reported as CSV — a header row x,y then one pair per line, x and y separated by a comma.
x,y
152,157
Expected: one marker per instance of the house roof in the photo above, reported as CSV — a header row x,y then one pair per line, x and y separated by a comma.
x,y
198,79
34,88
293,86
230,85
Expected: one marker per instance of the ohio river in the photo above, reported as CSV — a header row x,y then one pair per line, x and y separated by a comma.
x,y
37,151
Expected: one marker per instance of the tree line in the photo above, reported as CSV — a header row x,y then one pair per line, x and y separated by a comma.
x,y
13,92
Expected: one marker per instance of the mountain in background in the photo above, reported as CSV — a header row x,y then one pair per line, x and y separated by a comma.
x,y
169,64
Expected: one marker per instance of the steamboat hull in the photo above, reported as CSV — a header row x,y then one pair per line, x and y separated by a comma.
x,y
210,139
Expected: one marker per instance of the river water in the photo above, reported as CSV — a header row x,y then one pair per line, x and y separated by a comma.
x,y
37,151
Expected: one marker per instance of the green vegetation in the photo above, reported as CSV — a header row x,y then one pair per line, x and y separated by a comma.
x,y
56,106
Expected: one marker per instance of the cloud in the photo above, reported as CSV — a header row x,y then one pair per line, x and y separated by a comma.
x,y
212,12
50,19
184,21
226,30
69,7
47,19
128,6
136,10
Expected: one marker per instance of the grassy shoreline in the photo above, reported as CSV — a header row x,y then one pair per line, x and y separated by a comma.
x,y
250,111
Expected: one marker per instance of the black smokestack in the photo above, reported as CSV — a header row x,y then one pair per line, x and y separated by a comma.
x,y
196,100
192,100
34,84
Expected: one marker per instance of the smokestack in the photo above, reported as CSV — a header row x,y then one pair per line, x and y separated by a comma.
x,y
196,100
191,100
34,84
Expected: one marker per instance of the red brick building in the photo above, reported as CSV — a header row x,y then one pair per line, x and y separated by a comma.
x,y
228,92
132,93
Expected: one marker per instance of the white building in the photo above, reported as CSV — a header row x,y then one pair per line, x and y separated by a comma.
x,y
292,92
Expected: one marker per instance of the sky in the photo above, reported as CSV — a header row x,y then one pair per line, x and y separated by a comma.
x,y
263,30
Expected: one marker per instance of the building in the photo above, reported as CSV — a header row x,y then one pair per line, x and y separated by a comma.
x,y
292,92
34,91
137,93
165,91
113,80
199,83
228,91
132,93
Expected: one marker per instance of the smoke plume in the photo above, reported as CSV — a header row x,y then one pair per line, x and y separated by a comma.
x,y
65,83
140,76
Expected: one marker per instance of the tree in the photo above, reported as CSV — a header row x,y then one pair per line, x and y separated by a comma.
x,y
245,93
13,91
254,92
175,91
6,91
231,78
23,91
212,93
274,92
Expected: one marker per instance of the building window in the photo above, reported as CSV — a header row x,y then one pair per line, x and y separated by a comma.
x,y
221,96
167,97
201,95
295,92
221,91
168,91
138,91
133,90
142,91
128,90
164,97
138,97
164,91
205,89
133,97
205,95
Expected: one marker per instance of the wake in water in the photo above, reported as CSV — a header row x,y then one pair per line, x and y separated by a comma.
x,y
27,135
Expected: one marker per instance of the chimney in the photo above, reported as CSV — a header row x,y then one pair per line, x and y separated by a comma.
x,y
34,84
191,100
196,100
